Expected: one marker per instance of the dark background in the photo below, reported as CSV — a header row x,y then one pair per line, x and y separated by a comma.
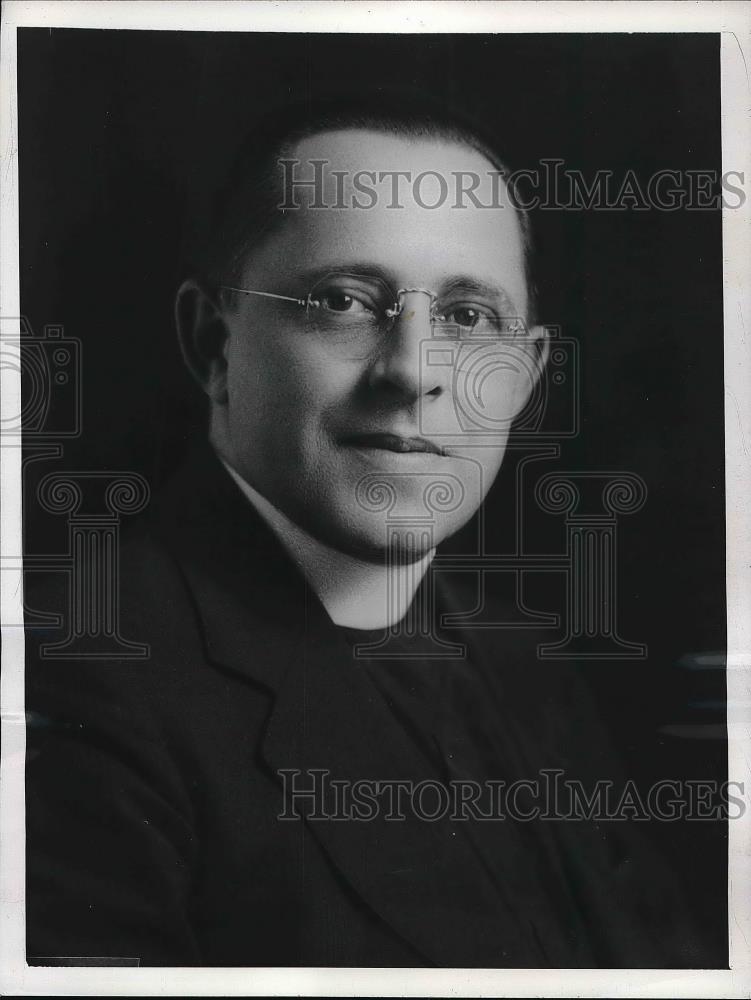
x,y
117,128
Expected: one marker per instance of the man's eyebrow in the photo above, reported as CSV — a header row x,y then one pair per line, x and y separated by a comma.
x,y
464,283
361,269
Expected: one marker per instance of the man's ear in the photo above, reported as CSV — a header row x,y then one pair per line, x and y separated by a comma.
x,y
537,351
539,336
203,335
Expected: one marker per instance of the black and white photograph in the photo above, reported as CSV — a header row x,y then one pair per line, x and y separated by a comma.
x,y
375,542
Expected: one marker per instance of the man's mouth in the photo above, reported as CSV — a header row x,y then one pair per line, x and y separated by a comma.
x,y
393,442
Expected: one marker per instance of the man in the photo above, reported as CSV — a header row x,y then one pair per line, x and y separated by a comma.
x,y
178,813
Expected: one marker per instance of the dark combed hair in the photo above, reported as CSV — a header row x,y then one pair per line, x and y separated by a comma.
x,y
243,209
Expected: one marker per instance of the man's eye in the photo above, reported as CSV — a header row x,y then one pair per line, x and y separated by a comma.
x,y
468,317
341,302
465,316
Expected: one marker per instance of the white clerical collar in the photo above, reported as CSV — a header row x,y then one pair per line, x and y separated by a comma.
x,y
355,593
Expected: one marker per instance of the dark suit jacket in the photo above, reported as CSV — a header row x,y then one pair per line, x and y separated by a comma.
x,y
153,786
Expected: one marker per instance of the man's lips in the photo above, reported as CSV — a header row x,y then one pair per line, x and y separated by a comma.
x,y
393,442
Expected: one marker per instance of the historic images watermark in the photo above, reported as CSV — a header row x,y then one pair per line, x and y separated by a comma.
x,y
314,794
94,502
550,185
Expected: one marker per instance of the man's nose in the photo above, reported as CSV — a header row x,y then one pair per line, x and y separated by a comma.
x,y
399,361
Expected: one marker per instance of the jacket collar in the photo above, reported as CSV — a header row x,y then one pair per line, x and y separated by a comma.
x,y
247,592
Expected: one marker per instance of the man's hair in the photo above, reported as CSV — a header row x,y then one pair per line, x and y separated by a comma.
x,y
244,209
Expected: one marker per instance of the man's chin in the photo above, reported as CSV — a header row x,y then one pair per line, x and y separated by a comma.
x,y
384,543
401,550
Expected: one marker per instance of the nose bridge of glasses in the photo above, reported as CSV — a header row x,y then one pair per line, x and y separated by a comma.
x,y
400,304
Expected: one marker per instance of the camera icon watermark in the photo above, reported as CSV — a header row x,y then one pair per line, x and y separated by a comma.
x,y
530,384
50,371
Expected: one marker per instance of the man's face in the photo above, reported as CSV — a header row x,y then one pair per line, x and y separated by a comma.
x,y
360,437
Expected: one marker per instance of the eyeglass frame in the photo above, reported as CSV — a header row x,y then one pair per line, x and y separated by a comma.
x,y
309,302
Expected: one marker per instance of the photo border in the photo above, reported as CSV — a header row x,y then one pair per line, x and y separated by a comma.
x,y
734,24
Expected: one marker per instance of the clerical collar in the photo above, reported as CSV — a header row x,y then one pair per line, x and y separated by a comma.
x,y
356,594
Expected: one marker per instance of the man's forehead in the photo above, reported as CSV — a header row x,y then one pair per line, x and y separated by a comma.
x,y
433,170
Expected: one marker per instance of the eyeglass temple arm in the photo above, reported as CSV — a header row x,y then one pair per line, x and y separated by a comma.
x,y
308,301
